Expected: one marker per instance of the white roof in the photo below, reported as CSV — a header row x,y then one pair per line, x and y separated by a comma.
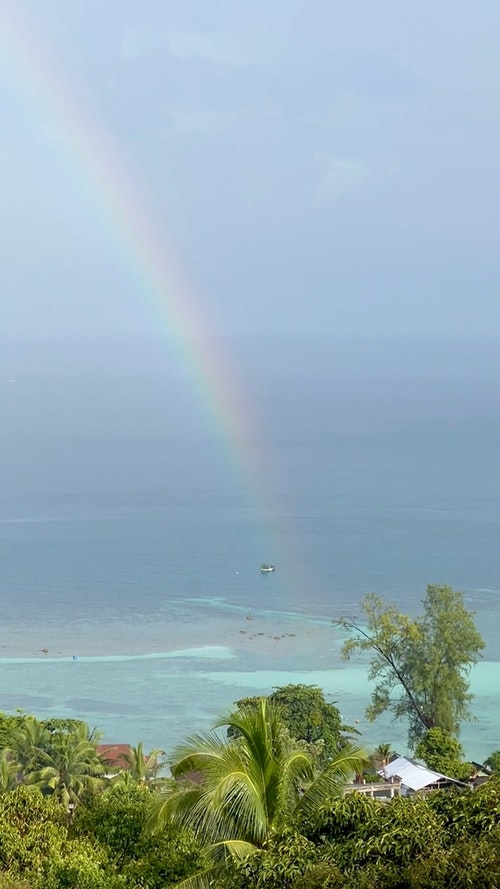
x,y
412,774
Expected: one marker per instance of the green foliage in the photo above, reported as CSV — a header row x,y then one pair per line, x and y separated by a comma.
x,y
80,866
341,819
443,753
469,814
387,835
26,736
323,876
72,726
67,766
436,842
31,828
421,665
8,727
237,793
33,839
58,755
106,847
308,717
164,860
117,818
462,838
142,768
9,772
265,818
8,881
285,859
382,755
493,762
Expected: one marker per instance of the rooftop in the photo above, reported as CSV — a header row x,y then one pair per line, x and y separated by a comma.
x,y
114,754
414,775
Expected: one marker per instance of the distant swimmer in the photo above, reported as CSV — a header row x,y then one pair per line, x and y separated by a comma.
x,y
75,657
44,650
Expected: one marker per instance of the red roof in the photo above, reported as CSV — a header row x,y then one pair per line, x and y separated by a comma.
x,y
114,754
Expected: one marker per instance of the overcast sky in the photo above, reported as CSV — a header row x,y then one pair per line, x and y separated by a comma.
x,y
313,167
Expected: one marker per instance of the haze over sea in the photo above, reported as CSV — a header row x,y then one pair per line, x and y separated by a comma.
x,y
131,538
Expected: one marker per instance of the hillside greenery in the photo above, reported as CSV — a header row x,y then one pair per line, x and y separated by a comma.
x,y
244,812
264,800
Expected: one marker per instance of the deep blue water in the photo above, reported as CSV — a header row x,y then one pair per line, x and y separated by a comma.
x,y
131,526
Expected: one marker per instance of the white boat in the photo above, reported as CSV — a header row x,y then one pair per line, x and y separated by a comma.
x,y
266,569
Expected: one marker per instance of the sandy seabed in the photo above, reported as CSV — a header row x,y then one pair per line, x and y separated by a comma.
x,y
159,677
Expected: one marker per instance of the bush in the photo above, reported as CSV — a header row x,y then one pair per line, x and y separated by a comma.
x,y
118,819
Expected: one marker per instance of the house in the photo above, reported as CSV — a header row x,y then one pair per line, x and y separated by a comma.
x,y
381,790
480,773
415,777
115,755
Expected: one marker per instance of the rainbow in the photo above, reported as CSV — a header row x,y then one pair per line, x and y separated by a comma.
x,y
98,169
99,173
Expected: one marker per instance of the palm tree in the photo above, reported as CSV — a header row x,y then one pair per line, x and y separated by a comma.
x,y
68,768
236,793
9,772
27,739
381,756
142,768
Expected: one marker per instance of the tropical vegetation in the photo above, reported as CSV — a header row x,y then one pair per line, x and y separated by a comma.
x,y
265,799
237,793
309,717
420,665
443,753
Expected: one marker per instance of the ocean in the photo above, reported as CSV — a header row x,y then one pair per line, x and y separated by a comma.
x,y
133,523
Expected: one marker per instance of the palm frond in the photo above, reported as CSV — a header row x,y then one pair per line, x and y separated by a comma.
x,y
329,784
200,747
202,880
236,792
238,849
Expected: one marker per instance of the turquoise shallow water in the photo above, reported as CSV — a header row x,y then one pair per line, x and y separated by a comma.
x,y
129,541
159,696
